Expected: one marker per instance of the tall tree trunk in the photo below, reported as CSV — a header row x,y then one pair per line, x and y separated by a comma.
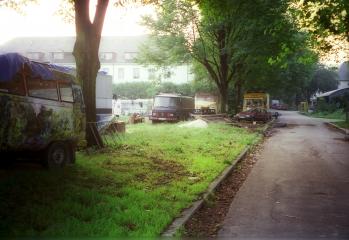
x,y
88,36
238,96
223,91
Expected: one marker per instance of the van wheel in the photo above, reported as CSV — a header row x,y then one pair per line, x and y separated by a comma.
x,y
56,155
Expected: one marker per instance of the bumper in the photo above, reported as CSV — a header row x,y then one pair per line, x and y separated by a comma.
x,y
170,119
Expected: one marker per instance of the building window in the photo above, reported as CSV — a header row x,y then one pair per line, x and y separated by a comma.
x,y
136,73
151,73
58,55
129,56
34,55
121,73
106,56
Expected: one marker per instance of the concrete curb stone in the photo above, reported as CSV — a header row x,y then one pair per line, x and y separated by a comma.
x,y
343,130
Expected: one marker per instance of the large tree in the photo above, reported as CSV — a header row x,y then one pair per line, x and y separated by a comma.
x,y
179,34
323,19
326,21
88,37
225,37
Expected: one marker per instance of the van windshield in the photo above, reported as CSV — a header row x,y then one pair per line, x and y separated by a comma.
x,y
167,102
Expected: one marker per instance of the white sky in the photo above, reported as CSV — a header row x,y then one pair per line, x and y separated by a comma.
x,y
40,20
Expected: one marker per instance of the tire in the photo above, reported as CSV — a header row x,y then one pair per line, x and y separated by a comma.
x,y
56,155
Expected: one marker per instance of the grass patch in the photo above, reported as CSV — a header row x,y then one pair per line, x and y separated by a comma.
x,y
338,114
342,124
132,189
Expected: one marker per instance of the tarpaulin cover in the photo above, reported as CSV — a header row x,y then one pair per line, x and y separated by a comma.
x,y
11,63
69,70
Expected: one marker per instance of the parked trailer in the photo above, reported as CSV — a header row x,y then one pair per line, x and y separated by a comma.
x,y
256,100
205,103
42,110
104,96
171,108
132,106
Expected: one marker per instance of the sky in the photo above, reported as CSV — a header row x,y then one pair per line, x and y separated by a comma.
x,y
41,19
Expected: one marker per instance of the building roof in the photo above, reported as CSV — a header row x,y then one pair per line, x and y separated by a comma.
x,y
117,44
66,44
334,93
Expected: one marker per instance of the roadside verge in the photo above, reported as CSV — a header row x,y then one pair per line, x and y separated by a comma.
x,y
187,213
343,130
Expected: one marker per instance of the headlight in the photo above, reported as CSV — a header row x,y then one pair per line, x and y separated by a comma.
x,y
248,116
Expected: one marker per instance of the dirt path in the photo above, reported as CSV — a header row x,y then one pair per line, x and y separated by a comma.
x,y
299,187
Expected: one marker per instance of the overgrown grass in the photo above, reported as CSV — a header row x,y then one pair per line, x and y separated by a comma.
x,y
342,124
338,114
131,189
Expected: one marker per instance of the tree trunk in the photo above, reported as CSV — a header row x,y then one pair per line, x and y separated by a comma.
x,y
88,36
238,94
87,65
223,91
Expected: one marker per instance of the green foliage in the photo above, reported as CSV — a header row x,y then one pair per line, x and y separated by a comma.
x,y
322,19
324,79
237,42
329,111
343,124
136,90
132,191
325,108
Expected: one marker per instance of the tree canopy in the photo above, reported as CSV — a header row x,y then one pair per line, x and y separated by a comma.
x,y
238,44
322,19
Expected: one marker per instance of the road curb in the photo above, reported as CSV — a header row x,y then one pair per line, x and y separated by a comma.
x,y
343,130
187,213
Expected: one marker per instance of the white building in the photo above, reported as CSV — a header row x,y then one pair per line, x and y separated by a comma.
x,y
343,74
116,56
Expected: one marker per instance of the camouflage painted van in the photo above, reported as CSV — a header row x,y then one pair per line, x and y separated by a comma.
x,y
41,110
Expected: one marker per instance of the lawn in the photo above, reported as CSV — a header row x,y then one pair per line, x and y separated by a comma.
x,y
339,114
134,188
342,124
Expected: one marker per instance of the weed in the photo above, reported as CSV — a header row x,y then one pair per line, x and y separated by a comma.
x,y
133,188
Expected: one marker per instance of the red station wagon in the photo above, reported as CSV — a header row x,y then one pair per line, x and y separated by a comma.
x,y
256,114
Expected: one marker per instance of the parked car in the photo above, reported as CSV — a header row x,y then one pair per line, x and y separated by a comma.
x,y
171,108
256,114
42,111
280,106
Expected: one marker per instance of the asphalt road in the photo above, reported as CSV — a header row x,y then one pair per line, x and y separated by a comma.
x,y
299,188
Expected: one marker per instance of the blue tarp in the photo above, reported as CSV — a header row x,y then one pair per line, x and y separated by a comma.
x,y
11,63
69,70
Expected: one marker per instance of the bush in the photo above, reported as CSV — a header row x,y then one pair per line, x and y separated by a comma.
x,y
324,107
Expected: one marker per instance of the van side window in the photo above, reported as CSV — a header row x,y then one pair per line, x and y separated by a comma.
x,y
15,86
42,88
66,92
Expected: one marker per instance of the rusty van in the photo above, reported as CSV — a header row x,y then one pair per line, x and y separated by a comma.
x,y
41,111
